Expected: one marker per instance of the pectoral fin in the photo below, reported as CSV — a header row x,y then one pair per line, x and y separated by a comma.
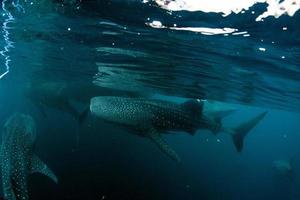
x,y
38,166
156,138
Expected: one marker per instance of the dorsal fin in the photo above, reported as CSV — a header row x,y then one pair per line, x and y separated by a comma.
x,y
194,107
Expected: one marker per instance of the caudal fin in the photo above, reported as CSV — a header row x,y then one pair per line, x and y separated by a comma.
x,y
239,133
82,116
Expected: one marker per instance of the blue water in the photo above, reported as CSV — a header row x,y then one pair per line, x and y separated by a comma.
x,y
105,48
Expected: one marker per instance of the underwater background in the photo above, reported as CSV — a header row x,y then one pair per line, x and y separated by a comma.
x,y
133,48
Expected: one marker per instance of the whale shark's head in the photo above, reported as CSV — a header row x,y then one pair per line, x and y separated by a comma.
x,y
104,106
20,127
121,110
99,104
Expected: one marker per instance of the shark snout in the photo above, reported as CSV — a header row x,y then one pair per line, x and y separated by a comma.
x,y
21,125
95,104
99,104
20,119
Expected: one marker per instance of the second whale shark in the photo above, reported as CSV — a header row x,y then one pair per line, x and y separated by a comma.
x,y
151,117
17,158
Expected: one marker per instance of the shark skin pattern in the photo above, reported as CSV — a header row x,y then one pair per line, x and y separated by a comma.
x,y
17,158
153,117
149,118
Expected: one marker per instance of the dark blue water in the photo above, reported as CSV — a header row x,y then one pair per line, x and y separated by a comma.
x,y
96,48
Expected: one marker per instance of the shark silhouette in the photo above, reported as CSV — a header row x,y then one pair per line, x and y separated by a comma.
x,y
64,95
17,158
56,95
285,167
152,117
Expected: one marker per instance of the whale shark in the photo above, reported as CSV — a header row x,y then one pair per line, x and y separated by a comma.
x,y
54,94
284,167
66,96
17,158
152,117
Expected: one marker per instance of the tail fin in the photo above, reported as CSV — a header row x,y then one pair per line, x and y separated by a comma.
x,y
82,116
292,172
239,133
291,175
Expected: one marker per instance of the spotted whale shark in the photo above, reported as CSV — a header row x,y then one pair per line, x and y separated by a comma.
x,y
17,158
152,117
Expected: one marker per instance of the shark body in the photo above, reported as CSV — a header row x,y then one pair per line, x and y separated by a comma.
x,y
152,117
63,96
284,167
17,158
53,94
